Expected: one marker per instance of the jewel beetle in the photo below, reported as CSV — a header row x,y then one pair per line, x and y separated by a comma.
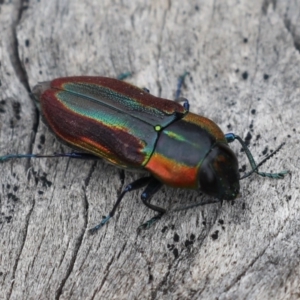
x,y
132,129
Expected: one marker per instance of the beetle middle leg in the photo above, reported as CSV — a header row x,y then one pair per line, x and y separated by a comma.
x,y
153,186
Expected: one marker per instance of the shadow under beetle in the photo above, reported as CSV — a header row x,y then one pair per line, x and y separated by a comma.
x,y
132,129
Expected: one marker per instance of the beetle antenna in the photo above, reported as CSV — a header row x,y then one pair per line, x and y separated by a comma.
x,y
230,137
278,175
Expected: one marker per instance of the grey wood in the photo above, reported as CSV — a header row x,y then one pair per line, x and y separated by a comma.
x,y
244,62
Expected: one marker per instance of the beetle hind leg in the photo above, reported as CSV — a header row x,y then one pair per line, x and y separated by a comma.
x,y
180,84
77,155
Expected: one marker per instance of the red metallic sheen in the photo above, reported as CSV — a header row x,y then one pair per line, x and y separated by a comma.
x,y
84,133
173,173
207,125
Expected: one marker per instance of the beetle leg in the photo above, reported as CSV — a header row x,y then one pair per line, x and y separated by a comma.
x,y
185,101
70,155
180,84
199,204
77,155
130,187
122,176
153,186
230,137
123,76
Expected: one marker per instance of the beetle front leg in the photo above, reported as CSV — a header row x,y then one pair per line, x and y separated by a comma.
x,y
202,203
153,186
141,182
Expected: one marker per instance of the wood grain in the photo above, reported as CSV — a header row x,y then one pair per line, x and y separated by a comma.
x,y
244,62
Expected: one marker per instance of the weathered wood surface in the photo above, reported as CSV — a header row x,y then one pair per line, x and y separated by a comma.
x,y
243,57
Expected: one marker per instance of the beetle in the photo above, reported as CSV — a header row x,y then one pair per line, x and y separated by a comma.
x,y
132,129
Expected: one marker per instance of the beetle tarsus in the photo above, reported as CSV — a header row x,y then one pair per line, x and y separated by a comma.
x,y
13,156
124,75
279,175
100,225
150,222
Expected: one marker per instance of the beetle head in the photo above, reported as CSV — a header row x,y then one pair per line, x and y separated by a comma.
x,y
219,175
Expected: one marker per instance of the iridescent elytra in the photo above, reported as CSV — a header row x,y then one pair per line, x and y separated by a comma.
x,y
132,129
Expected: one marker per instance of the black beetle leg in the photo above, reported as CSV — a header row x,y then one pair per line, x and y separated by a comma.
x,y
77,155
153,186
202,203
130,187
180,84
122,176
185,101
